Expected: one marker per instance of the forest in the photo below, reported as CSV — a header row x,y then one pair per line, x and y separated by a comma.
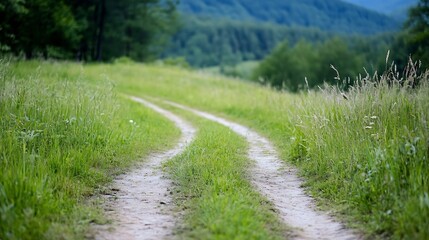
x,y
85,30
327,15
293,51
235,41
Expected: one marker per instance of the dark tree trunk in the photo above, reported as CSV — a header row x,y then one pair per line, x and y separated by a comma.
x,y
28,54
94,31
45,53
100,31
82,54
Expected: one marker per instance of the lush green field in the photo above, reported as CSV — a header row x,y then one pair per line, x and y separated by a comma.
x,y
61,140
366,157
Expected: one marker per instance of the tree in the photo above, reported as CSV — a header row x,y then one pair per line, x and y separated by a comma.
x,y
278,68
288,67
35,26
87,29
10,12
336,53
417,27
137,28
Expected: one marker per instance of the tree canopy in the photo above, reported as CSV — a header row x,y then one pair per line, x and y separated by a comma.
x,y
86,29
417,27
326,15
307,64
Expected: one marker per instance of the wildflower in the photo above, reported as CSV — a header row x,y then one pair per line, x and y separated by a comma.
x,y
70,120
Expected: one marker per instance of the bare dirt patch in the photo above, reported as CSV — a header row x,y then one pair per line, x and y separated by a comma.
x,y
140,203
281,185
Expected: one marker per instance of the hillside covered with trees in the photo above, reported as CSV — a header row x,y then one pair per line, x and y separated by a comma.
x,y
327,15
211,43
338,59
229,32
395,8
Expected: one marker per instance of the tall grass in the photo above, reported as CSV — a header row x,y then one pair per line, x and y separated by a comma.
x,y
366,157
61,140
370,152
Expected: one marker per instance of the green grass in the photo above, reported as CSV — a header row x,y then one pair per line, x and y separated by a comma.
x,y
61,140
366,157
213,189
241,70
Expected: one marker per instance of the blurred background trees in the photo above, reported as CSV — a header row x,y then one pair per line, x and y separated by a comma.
x,y
85,29
288,66
417,29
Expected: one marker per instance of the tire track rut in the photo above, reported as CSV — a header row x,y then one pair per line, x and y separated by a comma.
x,y
142,205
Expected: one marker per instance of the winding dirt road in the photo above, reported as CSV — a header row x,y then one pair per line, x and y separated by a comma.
x,y
280,184
141,207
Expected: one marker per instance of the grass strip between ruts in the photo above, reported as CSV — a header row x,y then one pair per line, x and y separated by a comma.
x,y
214,191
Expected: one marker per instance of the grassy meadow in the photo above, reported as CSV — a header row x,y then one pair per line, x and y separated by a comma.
x,y
61,141
64,126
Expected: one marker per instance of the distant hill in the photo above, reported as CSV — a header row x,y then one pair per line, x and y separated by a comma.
x,y
395,8
327,15
226,32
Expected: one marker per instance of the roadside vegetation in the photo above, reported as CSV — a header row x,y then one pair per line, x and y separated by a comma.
x,y
61,141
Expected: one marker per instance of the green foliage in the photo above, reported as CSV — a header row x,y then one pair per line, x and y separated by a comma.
x,y
239,41
87,30
137,29
418,32
60,140
395,8
348,62
207,43
271,69
176,61
307,65
33,26
243,70
413,41
327,15
123,60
